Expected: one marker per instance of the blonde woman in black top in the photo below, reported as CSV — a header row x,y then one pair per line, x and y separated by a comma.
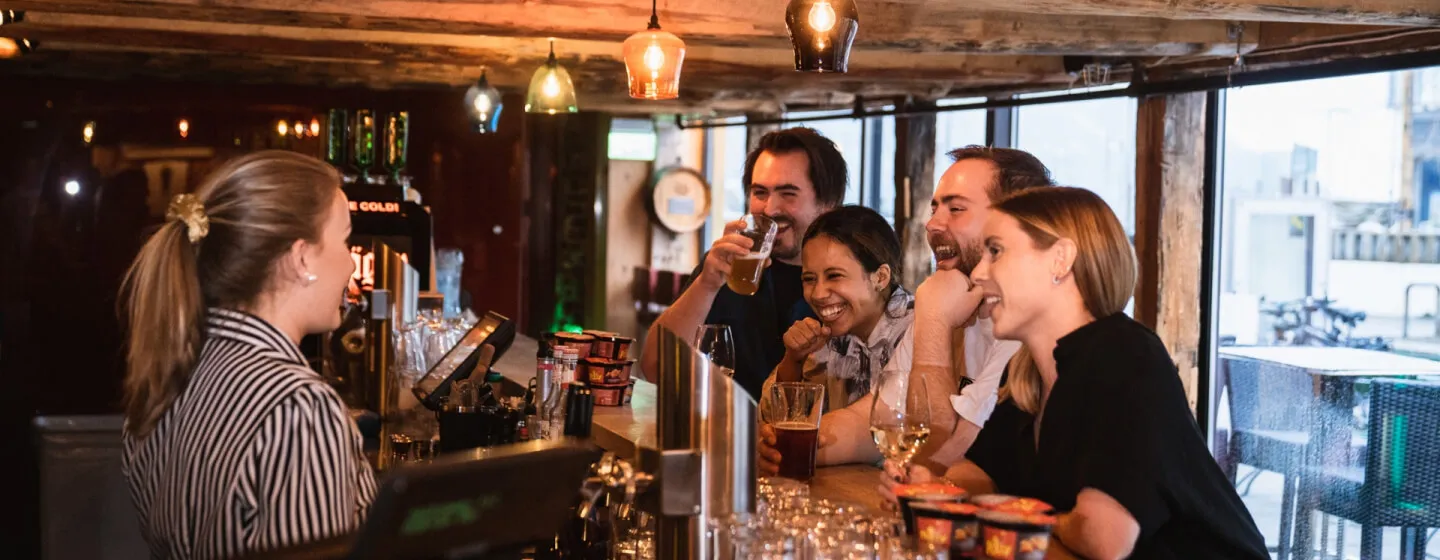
x,y
232,443
1096,423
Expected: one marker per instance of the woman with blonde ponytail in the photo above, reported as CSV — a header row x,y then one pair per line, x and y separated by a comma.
x,y
233,444
1096,422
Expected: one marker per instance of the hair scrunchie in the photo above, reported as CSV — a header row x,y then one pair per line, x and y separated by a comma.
x,y
187,208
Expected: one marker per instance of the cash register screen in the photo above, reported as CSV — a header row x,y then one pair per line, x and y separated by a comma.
x,y
493,329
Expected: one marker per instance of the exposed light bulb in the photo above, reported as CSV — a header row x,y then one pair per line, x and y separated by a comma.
x,y
184,128
283,128
89,132
551,88
72,187
482,104
654,57
822,16
314,126
299,130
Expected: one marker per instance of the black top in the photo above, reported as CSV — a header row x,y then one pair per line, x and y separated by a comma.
x,y
759,322
1118,421
789,291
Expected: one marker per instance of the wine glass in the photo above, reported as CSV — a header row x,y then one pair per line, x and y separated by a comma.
x,y
899,416
716,343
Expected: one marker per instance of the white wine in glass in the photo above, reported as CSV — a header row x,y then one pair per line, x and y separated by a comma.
x,y
899,443
899,416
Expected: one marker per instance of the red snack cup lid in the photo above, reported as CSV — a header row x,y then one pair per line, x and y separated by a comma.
x,y
1017,520
928,488
957,508
1025,505
991,501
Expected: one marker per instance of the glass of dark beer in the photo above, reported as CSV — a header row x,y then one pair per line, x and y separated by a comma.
x,y
745,270
793,410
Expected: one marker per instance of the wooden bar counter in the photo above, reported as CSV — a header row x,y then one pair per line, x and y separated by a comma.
x,y
620,429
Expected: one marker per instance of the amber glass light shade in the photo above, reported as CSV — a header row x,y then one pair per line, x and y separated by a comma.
x,y
482,102
653,58
11,48
551,90
821,31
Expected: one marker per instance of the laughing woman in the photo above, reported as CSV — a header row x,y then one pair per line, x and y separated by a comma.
x,y
850,259
1098,425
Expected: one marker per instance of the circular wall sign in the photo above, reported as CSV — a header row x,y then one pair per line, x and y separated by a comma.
x,y
679,199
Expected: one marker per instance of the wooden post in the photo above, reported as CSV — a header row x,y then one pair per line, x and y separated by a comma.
x,y
1169,196
914,185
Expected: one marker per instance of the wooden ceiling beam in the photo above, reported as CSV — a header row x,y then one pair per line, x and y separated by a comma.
x,y
1276,34
599,83
1366,12
911,25
511,61
1399,41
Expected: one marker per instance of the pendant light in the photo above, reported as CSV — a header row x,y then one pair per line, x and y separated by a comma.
x,y
821,32
652,61
482,102
551,91
11,48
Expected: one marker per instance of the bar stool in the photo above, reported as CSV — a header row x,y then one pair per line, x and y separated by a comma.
x,y
1399,485
1268,415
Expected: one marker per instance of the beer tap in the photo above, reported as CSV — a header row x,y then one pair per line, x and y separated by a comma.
x,y
612,473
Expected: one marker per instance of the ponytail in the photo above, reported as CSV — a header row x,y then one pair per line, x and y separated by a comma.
x,y
1023,383
219,247
161,294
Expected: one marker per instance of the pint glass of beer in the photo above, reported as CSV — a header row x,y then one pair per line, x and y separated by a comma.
x,y
793,410
745,271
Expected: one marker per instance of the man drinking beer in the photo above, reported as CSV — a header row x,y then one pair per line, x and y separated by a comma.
x,y
791,177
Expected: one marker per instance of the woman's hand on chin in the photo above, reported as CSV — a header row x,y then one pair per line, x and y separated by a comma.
x,y
804,338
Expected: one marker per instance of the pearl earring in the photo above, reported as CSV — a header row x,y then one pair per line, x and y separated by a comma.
x,y
310,278
1055,280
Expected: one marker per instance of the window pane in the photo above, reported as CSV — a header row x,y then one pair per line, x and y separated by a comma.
x,y
1327,224
726,146
846,135
1089,144
884,140
956,129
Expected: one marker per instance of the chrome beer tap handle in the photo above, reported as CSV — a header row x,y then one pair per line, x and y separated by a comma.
x,y
612,473
590,491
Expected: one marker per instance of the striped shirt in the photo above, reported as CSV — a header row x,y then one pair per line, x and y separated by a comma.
x,y
257,452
